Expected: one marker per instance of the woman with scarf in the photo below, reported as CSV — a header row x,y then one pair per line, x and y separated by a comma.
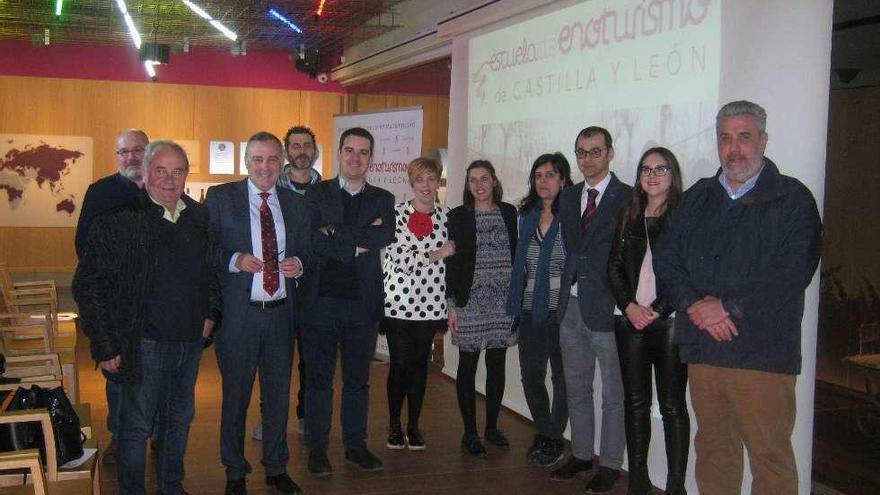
x,y
534,295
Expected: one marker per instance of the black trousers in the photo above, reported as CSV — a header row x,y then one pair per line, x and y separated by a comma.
x,y
409,345
538,345
465,387
640,352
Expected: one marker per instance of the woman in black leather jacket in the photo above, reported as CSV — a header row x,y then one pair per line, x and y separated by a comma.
x,y
645,330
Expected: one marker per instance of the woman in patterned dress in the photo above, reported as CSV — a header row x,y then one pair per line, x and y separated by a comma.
x,y
534,296
477,284
415,298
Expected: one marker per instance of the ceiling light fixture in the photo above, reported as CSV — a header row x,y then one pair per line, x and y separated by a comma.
x,y
274,13
59,4
132,30
149,66
217,25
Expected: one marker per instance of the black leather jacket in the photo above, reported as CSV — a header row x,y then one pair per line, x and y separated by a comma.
x,y
625,262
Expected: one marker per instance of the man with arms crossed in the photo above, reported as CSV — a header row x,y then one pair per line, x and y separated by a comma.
x,y
351,222
588,212
737,255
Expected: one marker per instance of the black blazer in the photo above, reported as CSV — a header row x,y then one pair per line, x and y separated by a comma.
x,y
229,210
462,227
587,253
627,255
326,208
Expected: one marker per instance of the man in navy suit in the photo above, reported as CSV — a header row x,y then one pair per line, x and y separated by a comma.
x,y
351,222
588,213
263,235
103,195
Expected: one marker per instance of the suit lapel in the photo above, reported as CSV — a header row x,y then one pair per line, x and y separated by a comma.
x,y
603,210
334,209
243,212
286,212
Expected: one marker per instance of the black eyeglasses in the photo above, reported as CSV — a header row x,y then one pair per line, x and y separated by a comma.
x,y
593,152
658,171
139,150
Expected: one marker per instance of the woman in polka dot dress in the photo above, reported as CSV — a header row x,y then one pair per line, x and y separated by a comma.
x,y
415,298
477,284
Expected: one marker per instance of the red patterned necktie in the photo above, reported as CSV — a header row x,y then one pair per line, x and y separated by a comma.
x,y
270,246
590,210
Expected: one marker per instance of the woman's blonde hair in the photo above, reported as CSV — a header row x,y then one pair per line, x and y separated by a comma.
x,y
422,165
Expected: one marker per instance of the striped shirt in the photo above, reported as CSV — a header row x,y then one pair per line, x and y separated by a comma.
x,y
557,263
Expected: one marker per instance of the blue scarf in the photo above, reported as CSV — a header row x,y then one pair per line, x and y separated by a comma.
x,y
529,222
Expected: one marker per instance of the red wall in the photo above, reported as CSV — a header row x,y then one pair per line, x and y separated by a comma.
x,y
257,69
432,78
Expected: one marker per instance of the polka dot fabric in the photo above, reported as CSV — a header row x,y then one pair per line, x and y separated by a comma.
x,y
415,287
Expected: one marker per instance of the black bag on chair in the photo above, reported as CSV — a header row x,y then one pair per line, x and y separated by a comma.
x,y
65,424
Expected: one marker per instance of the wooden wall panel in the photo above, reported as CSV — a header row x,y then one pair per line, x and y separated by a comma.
x,y
101,109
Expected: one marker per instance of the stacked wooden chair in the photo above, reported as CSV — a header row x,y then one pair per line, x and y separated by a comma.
x,y
30,324
44,370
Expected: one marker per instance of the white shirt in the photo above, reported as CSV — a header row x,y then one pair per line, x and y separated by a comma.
x,y
258,293
601,187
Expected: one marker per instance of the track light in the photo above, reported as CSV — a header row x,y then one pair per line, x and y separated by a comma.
x,y
275,14
132,30
204,15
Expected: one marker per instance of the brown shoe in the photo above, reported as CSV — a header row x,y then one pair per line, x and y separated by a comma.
x,y
603,481
572,467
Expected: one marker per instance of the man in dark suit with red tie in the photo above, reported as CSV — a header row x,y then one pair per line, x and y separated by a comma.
x,y
262,232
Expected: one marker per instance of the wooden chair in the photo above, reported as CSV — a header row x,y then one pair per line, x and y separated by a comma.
x,y
85,476
25,335
36,367
29,460
37,292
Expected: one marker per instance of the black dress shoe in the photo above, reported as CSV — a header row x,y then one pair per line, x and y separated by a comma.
x,y
363,459
572,467
319,465
603,481
235,487
283,483
496,437
471,444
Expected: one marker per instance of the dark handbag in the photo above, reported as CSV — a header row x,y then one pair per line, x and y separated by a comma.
x,y
65,424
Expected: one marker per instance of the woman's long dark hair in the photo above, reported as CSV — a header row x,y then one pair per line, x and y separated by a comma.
x,y
560,165
497,191
639,200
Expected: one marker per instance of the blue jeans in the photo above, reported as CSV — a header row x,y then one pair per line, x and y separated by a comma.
x,y
344,325
167,389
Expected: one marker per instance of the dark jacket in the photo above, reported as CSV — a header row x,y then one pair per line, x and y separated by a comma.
x,y
113,277
587,253
528,223
326,208
103,195
757,254
463,231
627,255
230,221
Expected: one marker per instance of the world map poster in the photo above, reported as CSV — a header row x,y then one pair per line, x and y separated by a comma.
x,y
43,179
